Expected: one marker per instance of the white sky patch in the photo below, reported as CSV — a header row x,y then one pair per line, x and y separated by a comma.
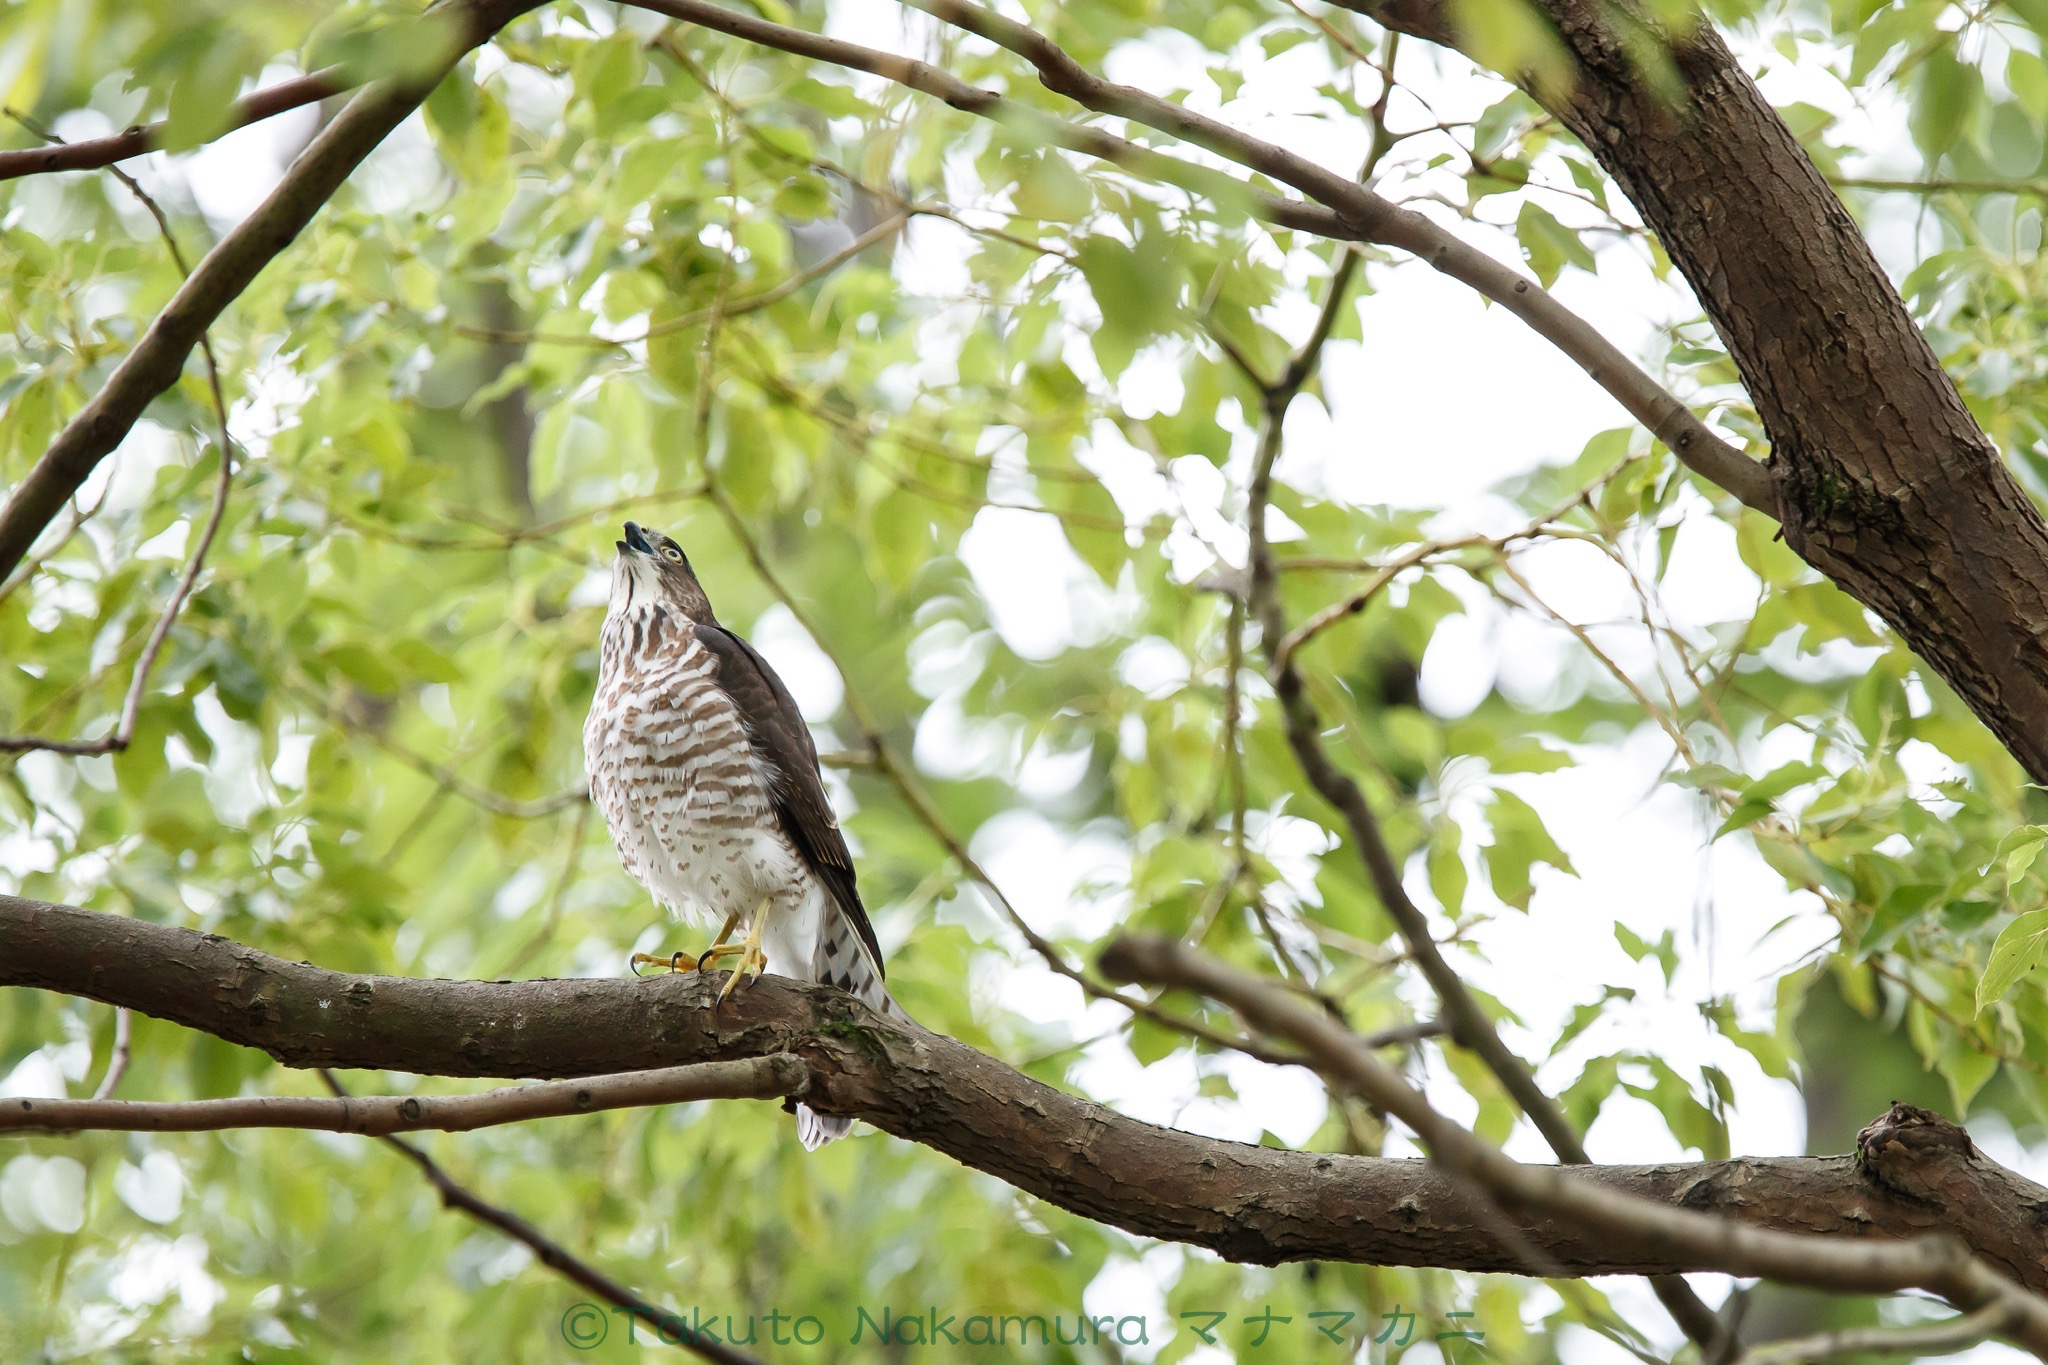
x,y
154,1190
1447,396
1060,881
1457,667
1125,1289
1041,598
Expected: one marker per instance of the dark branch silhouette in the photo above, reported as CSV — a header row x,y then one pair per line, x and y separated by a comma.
x,y
142,139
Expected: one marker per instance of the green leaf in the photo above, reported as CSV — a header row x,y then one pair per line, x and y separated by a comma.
x,y
1520,841
1549,245
1137,290
1665,949
1691,1122
1966,1069
2016,952
1948,88
1446,866
1052,190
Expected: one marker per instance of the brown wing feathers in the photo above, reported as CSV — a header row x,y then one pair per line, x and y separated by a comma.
x,y
776,728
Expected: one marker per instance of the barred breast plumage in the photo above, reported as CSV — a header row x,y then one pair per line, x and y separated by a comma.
x,y
706,775
671,768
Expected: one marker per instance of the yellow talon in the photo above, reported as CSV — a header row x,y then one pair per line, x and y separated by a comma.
x,y
675,962
752,959
716,951
683,962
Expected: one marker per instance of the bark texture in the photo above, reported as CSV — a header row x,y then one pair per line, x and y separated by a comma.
x,y
1885,482
1915,1174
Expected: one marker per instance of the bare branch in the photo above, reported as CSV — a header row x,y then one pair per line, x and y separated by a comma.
x,y
1938,1264
117,1060
145,138
1943,1338
756,1078
555,1256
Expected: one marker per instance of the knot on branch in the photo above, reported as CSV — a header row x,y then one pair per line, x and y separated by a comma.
x,y
1916,1153
1821,503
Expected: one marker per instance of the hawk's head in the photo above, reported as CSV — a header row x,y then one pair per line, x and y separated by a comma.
x,y
652,569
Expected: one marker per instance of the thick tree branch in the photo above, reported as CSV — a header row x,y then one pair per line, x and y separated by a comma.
x,y
144,138
1248,1203
158,359
1936,1263
754,1078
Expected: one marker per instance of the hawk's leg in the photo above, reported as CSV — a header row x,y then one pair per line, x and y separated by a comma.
x,y
719,947
683,962
752,960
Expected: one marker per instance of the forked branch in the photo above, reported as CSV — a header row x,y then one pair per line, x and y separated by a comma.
x,y
1938,1264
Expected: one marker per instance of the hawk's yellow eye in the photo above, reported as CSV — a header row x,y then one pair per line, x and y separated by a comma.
x,y
672,552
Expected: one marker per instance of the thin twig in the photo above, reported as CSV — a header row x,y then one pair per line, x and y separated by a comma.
x,y
760,1078
138,683
140,139
552,917
1468,1022
750,303
2037,189
1954,1334
1370,217
28,567
557,1258
131,705
159,357
117,1060
446,777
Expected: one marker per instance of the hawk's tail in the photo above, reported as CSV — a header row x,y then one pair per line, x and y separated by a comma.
x,y
842,960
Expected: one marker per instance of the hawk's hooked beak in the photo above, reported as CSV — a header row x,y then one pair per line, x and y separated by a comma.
x,y
636,540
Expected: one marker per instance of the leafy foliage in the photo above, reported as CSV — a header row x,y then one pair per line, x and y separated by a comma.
x,y
830,335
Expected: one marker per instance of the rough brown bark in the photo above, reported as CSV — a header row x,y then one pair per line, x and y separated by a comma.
x,y
1886,484
1252,1204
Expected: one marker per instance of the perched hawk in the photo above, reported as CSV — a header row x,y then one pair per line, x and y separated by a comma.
x,y
707,776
